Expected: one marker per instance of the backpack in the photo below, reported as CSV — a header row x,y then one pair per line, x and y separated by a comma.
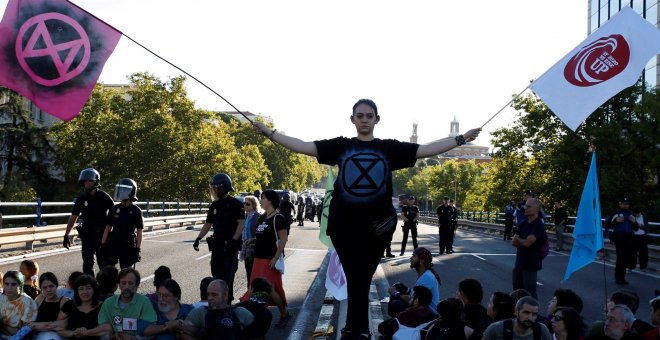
x,y
409,333
508,330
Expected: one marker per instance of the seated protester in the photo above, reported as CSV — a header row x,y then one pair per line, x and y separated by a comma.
x,y
566,324
203,286
500,306
471,293
30,271
120,313
67,290
169,311
629,299
49,310
618,324
563,298
654,333
413,318
422,262
257,304
16,308
523,326
219,320
107,279
83,312
161,274
449,324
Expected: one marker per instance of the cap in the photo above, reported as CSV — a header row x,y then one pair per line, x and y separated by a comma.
x,y
624,200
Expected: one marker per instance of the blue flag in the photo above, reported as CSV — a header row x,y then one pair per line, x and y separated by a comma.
x,y
588,232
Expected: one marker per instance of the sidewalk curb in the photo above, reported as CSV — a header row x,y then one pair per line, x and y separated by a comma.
x,y
306,312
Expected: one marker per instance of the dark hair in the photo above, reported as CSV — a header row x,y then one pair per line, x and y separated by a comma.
x,y
527,300
31,266
84,280
107,279
626,297
568,298
161,274
637,210
423,295
426,259
450,310
520,293
572,322
173,287
260,284
273,197
48,276
129,270
472,290
367,102
503,306
17,276
203,285
72,277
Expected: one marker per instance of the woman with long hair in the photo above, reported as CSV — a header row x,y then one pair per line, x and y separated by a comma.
x,y
252,210
50,308
16,308
83,311
566,324
270,240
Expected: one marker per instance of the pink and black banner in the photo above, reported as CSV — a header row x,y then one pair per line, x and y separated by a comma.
x,y
52,52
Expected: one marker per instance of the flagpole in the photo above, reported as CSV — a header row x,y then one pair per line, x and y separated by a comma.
x,y
506,105
167,61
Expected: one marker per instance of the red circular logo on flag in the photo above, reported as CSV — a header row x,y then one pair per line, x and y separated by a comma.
x,y
598,62
52,48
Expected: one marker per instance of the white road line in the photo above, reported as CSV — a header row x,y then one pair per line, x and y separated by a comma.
x,y
203,256
160,241
145,279
479,257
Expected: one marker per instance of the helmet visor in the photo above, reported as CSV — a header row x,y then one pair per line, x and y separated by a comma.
x,y
123,192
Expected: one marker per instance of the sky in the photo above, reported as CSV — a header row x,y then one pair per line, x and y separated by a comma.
x,y
305,63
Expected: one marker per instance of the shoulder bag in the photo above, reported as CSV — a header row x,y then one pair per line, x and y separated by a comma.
x,y
279,265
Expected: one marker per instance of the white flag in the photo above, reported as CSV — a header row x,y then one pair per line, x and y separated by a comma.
x,y
608,61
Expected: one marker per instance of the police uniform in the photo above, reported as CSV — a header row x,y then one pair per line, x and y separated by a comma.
x,y
444,218
622,236
410,212
124,220
301,210
94,210
224,215
454,225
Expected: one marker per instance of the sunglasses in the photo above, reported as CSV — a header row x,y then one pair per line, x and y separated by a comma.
x,y
557,317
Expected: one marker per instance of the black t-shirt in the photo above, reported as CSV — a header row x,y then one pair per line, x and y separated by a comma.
x,y
531,258
265,246
445,213
94,208
124,221
363,189
561,215
410,212
224,215
77,319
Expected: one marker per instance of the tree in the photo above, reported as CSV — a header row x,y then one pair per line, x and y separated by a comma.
x,y
153,134
25,152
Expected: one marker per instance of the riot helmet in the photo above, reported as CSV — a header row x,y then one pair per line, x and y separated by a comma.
x,y
125,189
220,181
90,174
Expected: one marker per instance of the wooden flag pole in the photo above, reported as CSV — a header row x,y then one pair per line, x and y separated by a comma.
x,y
506,105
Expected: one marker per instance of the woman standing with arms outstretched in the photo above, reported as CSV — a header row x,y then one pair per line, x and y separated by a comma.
x,y
362,217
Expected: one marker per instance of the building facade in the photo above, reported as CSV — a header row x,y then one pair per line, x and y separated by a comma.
x,y
466,152
602,10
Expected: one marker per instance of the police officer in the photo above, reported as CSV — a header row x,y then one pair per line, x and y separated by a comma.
x,y
409,215
286,207
301,210
454,225
93,204
445,212
123,232
227,217
622,221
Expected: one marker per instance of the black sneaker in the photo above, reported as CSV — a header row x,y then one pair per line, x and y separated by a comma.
x,y
390,255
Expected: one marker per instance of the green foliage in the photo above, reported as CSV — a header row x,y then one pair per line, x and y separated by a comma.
x,y
25,149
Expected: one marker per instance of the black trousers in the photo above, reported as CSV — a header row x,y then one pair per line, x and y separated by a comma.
x,y
412,228
359,254
445,235
224,265
642,250
508,227
625,254
91,242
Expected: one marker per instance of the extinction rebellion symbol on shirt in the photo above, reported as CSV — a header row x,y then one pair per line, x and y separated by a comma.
x,y
364,174
598,62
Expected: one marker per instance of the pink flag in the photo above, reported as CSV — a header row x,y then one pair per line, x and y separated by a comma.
x,y
335,279
52,52
608,61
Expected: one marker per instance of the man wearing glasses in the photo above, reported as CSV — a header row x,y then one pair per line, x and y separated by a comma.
x,y
529,239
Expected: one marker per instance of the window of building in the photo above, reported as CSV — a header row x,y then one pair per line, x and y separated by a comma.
x,y
652,14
